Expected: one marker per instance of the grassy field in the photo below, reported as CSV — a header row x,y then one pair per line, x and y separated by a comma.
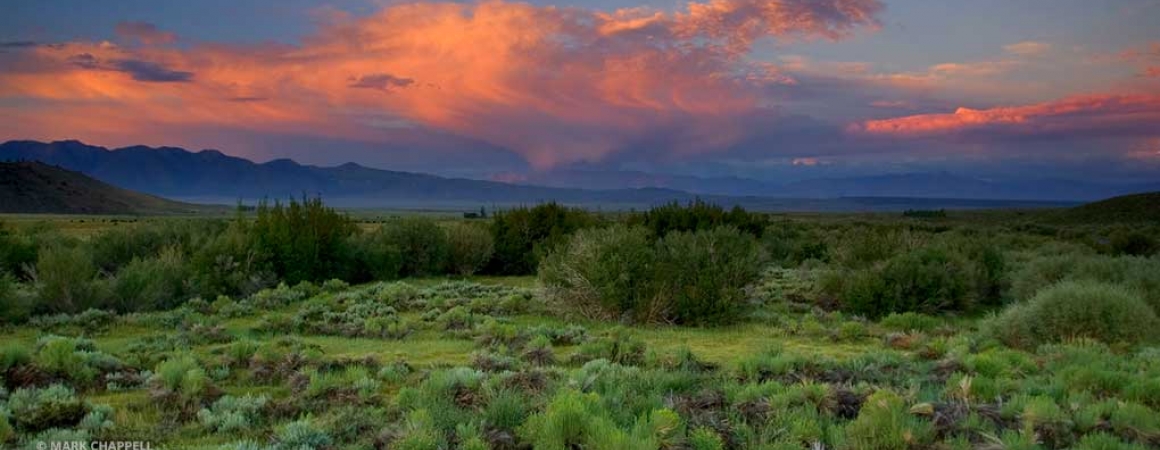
x,y
822,355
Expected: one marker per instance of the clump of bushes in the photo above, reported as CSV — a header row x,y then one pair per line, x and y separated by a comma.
x,y
469,248
1077,309
929,280
15,305
423,244
230,414
151,284
65,281
304,240
692,278
55,406
522,236
698,215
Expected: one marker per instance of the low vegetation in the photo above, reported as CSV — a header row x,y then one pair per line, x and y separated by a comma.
x,y
687,327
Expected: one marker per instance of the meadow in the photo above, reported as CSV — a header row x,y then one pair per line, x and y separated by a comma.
x,y
296,326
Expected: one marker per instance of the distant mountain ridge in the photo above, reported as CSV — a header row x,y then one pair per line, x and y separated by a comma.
x,y
176,172
36,188
210,176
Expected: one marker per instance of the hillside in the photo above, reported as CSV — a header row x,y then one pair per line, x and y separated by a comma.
x,y
38,188
1127,208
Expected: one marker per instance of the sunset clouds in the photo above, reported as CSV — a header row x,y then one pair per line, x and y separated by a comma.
x,y
1096,114
562,85
556,85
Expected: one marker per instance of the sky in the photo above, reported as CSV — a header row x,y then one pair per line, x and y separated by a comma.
x,y
776,90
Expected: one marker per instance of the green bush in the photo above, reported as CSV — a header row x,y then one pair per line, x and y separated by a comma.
x,y
229,264
1077,309
301,434
152,284
928,280
702,275
15,306
885,423
1139,274
65,280
55,406
524,235
378,257
17,251
231,414
686,277
423,245
604,273
304,241
469,248
697,215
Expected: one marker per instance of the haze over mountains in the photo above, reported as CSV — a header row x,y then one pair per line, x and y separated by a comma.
x,y
210,175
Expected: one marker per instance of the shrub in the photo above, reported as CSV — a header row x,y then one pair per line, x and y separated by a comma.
x,y
303,241
229,414
229,263
422,243
469,248
703,438
152,284
15,307
524,235
687,278
17,251
928,280
702,274
65,280
301,434
42,409
604,273
378,257
697,215
1140,274
884,423
1078,309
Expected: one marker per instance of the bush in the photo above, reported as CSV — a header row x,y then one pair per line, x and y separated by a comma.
x,y
229,414
687,278
17,251
229,264
42,409
469,248
702,274
929,281
304,241
885,423
422,243
15,307
378,258
524,235
65,280
1139,274
152,284
604,273
1079,309
696,216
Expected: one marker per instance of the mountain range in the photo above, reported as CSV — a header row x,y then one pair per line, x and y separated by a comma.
x,y
210,176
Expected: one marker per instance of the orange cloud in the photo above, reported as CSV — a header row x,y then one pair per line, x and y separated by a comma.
x,y
555,85
1093,113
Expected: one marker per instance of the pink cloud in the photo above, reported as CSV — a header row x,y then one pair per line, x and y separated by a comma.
x,y
1083,114
555,85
